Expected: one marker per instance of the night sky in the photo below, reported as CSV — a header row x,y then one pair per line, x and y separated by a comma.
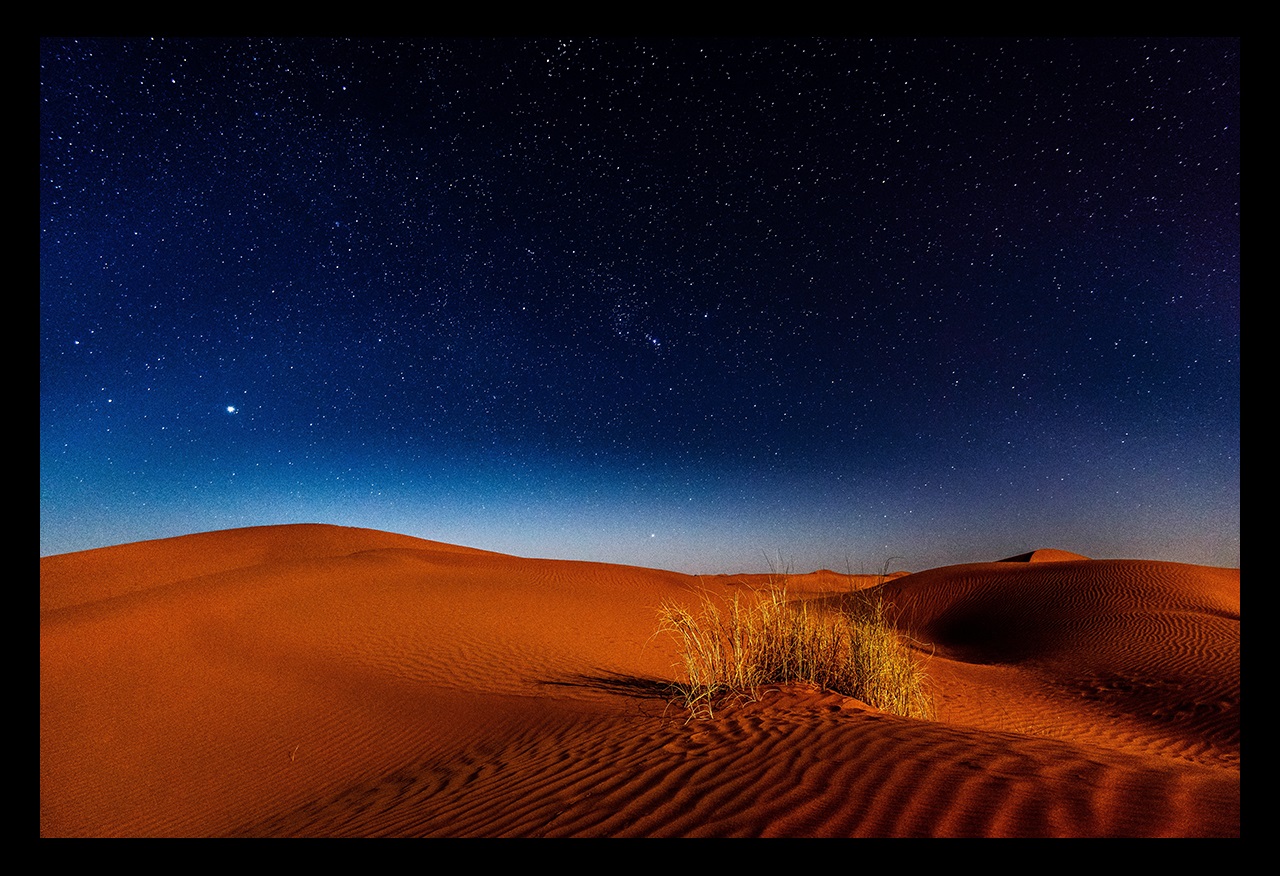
x,y
679,303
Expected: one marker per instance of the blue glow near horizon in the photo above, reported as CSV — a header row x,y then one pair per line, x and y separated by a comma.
x,y
677,305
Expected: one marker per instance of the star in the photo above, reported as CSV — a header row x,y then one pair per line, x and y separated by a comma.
x,y
777,300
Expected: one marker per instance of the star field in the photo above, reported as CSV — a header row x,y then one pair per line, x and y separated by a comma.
x,y
670,302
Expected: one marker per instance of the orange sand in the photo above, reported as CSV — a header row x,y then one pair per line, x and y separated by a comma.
x,y
325,681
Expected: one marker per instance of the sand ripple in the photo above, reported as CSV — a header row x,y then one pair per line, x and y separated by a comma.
x,y
321,681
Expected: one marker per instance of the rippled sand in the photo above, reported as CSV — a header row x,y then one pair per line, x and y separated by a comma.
x,y
317,680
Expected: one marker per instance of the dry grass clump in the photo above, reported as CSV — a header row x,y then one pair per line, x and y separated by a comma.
x,y
765,638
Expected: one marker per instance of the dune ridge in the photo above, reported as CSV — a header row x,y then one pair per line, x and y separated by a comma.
x,y
315,680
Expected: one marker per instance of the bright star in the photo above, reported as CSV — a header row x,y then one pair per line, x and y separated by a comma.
x,y
231,409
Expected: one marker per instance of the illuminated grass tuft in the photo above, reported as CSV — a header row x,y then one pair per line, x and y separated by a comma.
x,y
755,640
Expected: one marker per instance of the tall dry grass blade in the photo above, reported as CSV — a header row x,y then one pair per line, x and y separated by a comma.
x,y
768,638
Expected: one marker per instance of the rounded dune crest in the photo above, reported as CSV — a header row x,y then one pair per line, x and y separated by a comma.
x,y
103,573
1044,555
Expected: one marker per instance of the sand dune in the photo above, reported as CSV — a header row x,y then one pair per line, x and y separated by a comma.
x,y
327,681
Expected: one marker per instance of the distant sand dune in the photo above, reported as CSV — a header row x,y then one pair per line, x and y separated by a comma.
x,y
1046,555
325,681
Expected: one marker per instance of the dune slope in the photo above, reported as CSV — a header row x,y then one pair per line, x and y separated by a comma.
x,y
325,681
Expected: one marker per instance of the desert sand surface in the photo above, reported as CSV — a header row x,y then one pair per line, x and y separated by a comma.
x,y
324,681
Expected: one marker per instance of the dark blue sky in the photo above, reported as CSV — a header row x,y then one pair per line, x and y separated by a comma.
x,y
676,303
